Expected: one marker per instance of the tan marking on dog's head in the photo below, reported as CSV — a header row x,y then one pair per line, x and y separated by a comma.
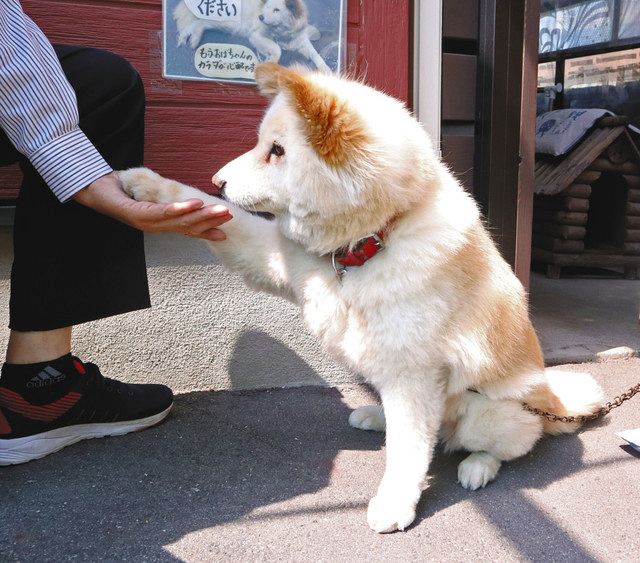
x,y
297,8
332,126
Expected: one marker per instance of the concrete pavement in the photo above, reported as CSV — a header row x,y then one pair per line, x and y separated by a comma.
x,y
579,318
279,475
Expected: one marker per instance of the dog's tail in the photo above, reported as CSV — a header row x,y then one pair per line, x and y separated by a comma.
x,y
565,393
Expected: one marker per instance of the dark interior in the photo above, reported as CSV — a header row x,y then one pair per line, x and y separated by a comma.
x,y
607,205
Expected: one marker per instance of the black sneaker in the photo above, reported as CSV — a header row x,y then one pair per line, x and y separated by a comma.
x,y
67,401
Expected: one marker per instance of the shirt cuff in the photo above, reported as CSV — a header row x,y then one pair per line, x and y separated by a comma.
x,y
69,163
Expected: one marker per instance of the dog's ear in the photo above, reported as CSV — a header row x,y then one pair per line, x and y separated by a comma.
x,y
296,7
267,78
333,127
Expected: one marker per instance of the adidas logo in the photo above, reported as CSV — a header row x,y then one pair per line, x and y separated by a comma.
x,y
47,376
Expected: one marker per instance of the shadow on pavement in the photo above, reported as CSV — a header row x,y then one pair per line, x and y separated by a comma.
x,y
218,457
223,455
504,503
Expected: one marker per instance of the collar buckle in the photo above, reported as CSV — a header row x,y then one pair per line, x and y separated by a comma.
x,y
378,240
339,269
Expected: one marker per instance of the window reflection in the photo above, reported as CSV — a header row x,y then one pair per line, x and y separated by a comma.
x,y
546,74
607,80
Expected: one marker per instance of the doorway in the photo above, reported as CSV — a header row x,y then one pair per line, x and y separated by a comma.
x,y
589,59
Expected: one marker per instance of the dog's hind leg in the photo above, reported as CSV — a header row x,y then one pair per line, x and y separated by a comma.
x,y
494,430
477,469
369,417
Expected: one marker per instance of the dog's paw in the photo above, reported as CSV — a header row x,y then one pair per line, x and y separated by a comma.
x,y
389,512
369,417
477,470
142,184
195,37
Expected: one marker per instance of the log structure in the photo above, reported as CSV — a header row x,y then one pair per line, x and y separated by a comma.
x,y
587,204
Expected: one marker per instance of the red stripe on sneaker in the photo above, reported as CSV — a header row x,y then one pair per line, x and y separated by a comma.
x,y
5,427
36,409
45,413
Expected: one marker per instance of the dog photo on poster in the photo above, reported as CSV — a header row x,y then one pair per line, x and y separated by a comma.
x,y
223,40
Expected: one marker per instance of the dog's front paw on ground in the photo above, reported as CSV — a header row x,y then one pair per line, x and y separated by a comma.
x,y
388,512
477,470
142,184
369,417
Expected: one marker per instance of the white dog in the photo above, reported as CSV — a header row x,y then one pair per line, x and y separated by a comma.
x,y
269,25
436,321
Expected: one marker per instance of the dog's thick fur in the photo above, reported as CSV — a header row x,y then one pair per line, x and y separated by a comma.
x,y
436,322
269,25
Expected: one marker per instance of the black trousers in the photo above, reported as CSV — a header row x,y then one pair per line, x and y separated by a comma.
x,y
72,264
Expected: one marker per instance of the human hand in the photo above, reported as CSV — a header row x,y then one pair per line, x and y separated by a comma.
x,y
191,217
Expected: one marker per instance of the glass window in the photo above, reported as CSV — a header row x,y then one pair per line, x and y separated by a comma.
x,y
577,25
629,19
546,74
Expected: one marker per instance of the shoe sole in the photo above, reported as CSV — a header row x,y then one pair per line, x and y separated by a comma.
x,y
22,450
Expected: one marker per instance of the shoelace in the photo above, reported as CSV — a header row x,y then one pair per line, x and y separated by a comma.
x,y
93,378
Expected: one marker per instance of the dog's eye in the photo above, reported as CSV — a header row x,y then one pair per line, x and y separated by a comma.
x,y
276,10
276,149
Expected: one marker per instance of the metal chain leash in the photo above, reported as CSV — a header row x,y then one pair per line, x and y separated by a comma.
x,y
603,410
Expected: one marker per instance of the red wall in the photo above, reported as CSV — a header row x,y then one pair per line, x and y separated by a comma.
x,y
193,128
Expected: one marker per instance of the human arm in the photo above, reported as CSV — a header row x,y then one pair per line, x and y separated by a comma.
x,y
38,107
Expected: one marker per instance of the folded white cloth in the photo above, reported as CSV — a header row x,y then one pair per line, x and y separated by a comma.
x,y
631,436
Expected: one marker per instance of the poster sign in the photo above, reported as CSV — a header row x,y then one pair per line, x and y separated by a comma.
x,y
224,40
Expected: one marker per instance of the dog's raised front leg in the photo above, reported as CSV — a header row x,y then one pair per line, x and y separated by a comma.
x,y
254,247
413,408
269,50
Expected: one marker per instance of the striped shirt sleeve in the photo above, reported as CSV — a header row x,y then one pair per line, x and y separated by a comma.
x,y
39,109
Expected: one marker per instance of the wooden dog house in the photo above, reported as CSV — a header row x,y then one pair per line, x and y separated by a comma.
x,y
587,204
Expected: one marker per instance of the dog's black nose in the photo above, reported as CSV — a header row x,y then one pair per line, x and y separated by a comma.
x,y
261,17
218,184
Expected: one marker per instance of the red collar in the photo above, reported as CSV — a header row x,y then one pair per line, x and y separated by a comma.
x,y
363,250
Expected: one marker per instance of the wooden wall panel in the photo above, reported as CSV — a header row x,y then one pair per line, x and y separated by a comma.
x,y
458,87
195,127
204,146
460,19
505,151
457,152
383,49
459,62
